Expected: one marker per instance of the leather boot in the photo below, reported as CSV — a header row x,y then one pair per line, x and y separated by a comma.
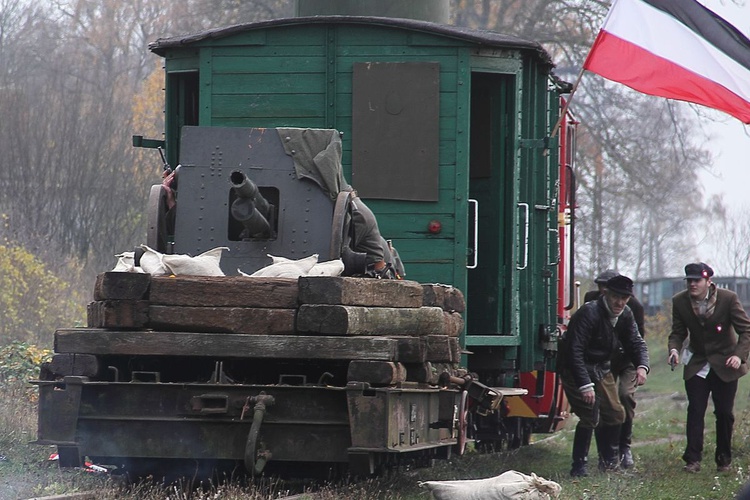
x,y
608,445
626,437
581,445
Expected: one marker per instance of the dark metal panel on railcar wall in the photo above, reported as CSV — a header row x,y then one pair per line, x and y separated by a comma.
x,y
395,129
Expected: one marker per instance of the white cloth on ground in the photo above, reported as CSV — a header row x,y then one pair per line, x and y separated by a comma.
x,y
510,485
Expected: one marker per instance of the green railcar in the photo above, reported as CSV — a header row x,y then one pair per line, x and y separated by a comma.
x,y
445,133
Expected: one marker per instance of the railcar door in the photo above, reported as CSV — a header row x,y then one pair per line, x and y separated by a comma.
x,y
492,191
512,264
512,271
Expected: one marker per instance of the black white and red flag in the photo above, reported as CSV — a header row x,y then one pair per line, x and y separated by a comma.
x,y
676,49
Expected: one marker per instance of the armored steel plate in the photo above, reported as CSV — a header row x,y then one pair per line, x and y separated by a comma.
x,y
301,224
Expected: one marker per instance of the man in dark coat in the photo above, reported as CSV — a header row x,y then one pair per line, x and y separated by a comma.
x,y
716,357
634,304
623,369
596,332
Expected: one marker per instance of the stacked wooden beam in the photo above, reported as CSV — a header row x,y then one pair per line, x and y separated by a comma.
x,y
390,330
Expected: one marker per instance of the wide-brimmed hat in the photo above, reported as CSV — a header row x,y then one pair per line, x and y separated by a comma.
x,y
698,270
620,285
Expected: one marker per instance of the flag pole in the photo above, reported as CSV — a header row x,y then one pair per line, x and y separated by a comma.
x,y
564,110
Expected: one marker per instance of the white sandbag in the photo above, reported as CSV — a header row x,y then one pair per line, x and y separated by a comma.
x,y
287,268
125,258
122,266
151,262
205,264
275,259
126,263
328,268
282,267
510,485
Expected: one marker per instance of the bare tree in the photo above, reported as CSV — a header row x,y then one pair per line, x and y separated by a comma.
x,y
72,183
638,155
731,232
61,137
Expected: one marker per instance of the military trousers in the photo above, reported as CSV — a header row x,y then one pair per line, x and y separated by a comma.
x,y
627,386
607,409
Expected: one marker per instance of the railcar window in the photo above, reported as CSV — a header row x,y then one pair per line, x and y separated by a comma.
x,y
481,126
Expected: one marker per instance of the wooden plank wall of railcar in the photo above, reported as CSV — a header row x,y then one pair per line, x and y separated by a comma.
x,y
284,77
537,286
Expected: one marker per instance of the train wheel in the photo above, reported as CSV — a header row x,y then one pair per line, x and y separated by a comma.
x,y
156,234
515,437
520,435
462,423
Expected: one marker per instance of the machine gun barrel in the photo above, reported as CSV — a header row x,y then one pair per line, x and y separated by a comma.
x,y
250,208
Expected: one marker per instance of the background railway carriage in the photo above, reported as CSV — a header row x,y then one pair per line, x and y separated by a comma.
x,y
445,135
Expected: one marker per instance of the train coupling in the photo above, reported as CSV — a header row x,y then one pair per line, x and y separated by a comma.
x,y
486,399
